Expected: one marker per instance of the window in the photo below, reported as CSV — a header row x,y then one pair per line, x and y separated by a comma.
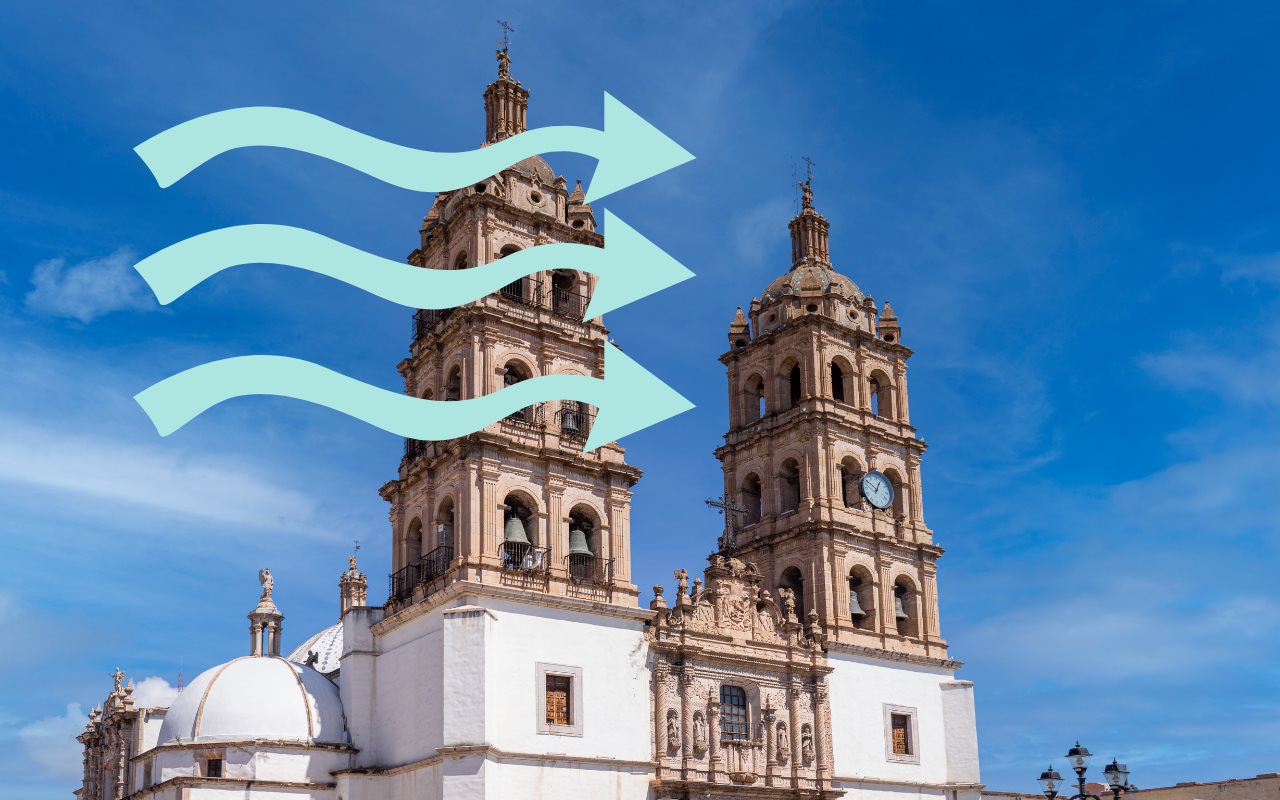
x,y
559,693
837,383
790,486
794,382
213,768
734,723
751,499
901,743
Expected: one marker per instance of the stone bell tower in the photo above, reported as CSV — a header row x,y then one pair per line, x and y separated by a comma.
x,y
518,503
821,459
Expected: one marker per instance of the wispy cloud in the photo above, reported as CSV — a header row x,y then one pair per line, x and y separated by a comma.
x,y
154,692
88,289
51,745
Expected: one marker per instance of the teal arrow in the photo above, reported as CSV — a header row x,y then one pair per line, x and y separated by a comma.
x,y
629,266
629,398
629,149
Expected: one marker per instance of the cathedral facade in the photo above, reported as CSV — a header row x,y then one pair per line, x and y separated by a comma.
x,y
513,656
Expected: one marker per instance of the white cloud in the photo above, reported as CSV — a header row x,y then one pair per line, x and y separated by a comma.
x,y
159,478
154,692
759,227
50,743
89,289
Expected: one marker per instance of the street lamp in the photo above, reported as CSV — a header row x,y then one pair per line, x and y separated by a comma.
x,y
1078,757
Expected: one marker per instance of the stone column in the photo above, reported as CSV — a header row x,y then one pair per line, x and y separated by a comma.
x,y
713,739
660,672
255,639
687,702
793,729
770,746
821,730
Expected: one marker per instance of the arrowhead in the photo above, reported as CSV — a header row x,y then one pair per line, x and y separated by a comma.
x,y
633,151
637,268
634,399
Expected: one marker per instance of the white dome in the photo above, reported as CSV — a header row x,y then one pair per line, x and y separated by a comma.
x,y
256,697
327,644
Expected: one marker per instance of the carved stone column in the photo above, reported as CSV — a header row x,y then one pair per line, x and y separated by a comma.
x,y
686,715
660,672
793,728
770,746
822,730
713,739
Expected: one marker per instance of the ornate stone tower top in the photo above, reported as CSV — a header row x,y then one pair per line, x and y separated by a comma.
x,y
265,621
809,233
506,103
353,586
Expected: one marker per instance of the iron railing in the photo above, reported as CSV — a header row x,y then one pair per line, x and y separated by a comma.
x,y
522,557
527,418
587,568
427,568
425,320
415,449
575,419
567,303
523,290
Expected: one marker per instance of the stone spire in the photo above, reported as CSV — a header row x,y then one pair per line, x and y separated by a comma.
x,y
809,233
353,587
888,326
505,103
265,619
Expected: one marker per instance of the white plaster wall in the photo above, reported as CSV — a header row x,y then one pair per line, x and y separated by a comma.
x,y
544,781
269,763
407,692
615,681
860,687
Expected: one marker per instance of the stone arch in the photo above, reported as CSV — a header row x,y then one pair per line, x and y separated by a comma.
x,y
518,504
793,578
567,297
789,485
862,596
752,498
445,519
460,260
906,606
516,370
517,289
849,472
790,382
413,542
755,403
584,518
842,381
901,503
453,383
880,394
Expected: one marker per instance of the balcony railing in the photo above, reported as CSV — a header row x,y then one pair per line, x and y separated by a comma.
x,y
425,320
575,420
520,557
525,290
568,303
587,568
415,449
427,569
527,418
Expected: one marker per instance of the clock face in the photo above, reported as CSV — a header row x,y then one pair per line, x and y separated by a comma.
x,y
877,489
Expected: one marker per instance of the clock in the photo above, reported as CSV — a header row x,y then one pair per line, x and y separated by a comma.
x,y
877,489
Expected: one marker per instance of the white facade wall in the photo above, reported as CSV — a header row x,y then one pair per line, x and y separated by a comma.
x,y
945,732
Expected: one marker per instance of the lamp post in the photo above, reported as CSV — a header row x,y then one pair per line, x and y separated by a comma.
x,y
1078,756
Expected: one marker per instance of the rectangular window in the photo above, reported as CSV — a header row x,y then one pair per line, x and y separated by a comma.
x,y
902,744
734,723
558,696
559,700
213,768
901,724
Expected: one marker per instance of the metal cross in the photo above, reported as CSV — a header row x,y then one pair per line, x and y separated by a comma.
x,y
505,41
808,168
729,509
356,542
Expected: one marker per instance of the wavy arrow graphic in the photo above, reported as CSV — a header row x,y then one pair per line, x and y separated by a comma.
x,y
629,149
629,266
629,397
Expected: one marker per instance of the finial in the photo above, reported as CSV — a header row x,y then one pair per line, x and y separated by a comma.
x,y
806,187
504,60
264,578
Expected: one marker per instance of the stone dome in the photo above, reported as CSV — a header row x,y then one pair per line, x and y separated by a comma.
x,y
813,279
327,645
256,697
535,167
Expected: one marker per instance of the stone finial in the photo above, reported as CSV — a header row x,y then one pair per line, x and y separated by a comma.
x,y
353,587
888,326
658,601
809,234
268,583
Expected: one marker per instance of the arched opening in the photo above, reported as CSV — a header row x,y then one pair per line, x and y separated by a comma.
x,y
735,722
565,299
837,382
583,544
906,610
413,543
789,486
862,605
792,579
794,388
850,473
514,372
752,499
755,402
461,261
444,523
518,551
453,386
899,506
880,393
515,289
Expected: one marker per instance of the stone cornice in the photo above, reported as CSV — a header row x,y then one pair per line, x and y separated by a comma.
x,y
196,781
890,655
498,754
245,744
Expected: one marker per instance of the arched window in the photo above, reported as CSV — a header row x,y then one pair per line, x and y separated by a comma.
x,y
735,723
906,608
565,299
752,499
837,382
461,261
862,603
880,393
899,494
755,407
517,534
793,580
453,386
582,544
793,383
850,475
514,372
413,543
444,523
515,289
789,486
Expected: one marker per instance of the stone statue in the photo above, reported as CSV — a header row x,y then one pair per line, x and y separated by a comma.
x,y
264,578
788,598
673,732
699,732
784,743
118,677
504,64
806,744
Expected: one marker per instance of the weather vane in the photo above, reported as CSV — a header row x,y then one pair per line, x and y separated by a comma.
x,y
507,30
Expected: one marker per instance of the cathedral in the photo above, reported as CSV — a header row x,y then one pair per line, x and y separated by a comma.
x,y
513,657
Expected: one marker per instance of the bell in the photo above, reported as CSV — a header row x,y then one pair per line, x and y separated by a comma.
x,y
514,532
570,425
855,608
899,610
578,543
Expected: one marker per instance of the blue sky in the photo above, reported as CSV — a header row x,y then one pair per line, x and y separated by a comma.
x,y
1070,206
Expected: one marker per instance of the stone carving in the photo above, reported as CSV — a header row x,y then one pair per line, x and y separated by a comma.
x,y
264,578
806,744
788,603
673,731
731,600
699,733
784,744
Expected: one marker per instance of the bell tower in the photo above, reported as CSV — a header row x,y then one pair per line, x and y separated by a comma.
x,y
517,503
821,459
